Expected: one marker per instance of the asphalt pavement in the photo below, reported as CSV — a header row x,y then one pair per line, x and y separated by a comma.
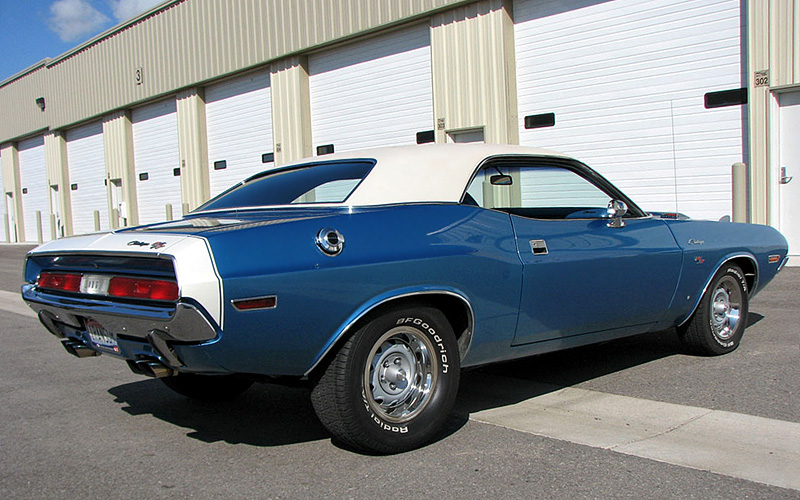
x,y
89,428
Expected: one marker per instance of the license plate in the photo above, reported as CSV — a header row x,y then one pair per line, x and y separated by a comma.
x,y
100,337
95,284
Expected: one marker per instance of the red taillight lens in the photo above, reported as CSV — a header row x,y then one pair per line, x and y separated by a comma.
x,y
138,288
60,281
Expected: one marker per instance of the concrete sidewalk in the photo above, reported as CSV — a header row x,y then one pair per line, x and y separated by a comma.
x,y
733,444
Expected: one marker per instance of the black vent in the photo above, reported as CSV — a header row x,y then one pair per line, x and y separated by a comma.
x,y
176,171
324,150
220,165
144,176
268,158
540,121
425,137
724,98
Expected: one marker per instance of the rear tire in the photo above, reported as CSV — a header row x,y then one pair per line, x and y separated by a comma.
x,y
718,324
208,387
390,387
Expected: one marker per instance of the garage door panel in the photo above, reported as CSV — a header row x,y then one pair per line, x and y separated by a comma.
x,y
372,93
35,195
156,156
4,223
239,129
87,174
626,74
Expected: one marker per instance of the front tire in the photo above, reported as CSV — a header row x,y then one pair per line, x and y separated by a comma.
x,y
718,323
391,386
208,387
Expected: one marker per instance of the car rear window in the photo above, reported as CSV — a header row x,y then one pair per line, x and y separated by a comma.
x,y
329,182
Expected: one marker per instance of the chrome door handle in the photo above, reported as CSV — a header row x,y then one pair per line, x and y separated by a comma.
x,y
785,179
538,247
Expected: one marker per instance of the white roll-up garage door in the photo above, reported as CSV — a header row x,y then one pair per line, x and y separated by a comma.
x,y
626,81
35,191
377,92
239,121
157,160
5,224
87,174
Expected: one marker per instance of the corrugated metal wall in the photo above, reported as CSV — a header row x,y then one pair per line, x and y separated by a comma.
x,y
774,45
18,100
474,79
185,43
291,109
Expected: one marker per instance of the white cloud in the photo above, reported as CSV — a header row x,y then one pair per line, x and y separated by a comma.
x,y
126,9
73,19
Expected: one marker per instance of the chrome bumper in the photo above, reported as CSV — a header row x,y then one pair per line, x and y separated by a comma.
x,y
184,323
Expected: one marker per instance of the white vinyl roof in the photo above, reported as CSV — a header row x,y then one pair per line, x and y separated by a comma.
x,y
428,173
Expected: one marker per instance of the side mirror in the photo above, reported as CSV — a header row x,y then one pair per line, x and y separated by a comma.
x,y
616,211
501,180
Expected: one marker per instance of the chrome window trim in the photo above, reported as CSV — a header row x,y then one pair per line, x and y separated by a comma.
x,y
464,342
581,169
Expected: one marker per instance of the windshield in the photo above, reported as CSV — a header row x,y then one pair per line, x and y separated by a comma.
x,y
330,182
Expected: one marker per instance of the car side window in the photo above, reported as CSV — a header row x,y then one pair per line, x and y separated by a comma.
x,y
546,192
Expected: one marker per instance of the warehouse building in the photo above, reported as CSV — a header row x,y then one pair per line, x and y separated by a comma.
x,y
686,105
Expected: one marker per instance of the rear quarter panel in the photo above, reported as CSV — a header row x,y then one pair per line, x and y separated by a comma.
x,y
388,252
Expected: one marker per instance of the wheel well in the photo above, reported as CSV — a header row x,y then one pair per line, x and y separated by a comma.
x,y
748,266
455,308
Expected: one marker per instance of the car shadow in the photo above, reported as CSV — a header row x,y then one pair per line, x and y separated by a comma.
x,y
275,415
264,415
508,383
753,318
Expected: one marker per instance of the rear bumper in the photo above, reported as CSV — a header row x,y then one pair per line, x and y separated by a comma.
x,y
184,322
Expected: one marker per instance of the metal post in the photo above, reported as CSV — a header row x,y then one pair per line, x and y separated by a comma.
x,y
39,227
185,208
52,226
740,192
8,233
114,218
97,220
169,211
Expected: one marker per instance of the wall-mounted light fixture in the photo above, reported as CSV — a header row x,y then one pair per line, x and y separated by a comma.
x,y
40,102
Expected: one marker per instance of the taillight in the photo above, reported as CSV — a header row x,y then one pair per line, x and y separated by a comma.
x,y
139,288
116,286
65,282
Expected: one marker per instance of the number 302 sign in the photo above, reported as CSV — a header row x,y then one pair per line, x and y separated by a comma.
x,y
761,78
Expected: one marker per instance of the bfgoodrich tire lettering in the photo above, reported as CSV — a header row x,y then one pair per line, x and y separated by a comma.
x,y
718,323
391,386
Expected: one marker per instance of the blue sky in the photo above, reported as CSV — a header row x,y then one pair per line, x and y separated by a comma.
x,y
31,30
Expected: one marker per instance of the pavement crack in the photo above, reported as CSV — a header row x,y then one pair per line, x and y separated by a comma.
x,y
664,432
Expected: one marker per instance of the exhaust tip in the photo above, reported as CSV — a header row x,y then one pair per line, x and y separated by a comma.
x,y
151,368
79,349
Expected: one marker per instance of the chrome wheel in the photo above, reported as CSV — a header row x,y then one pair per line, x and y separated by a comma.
x,y
726,305
400,375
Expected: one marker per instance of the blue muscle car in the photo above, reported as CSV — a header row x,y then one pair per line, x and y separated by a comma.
x,y
375,276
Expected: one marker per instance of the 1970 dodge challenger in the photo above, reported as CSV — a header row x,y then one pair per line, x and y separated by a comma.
x,y
375,276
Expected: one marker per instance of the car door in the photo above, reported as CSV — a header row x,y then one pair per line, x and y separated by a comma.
x,y
583,272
